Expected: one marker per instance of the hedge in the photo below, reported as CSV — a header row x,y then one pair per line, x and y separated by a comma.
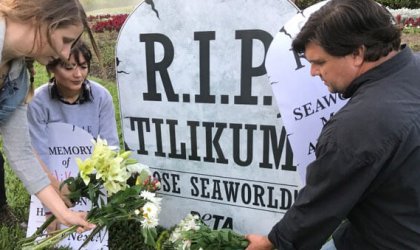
x,y
393,4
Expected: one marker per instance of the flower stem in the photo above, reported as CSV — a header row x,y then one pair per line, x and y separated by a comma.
x,y
50,241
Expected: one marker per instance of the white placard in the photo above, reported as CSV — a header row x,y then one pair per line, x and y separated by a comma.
x,y
66,143
197,107
304,101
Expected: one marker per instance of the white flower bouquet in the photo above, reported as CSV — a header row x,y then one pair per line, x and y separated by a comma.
x,y
193,234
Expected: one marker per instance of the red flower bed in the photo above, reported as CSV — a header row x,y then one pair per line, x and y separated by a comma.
x,y
101,23
408,22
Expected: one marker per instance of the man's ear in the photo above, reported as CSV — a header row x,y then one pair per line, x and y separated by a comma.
x,y
359,55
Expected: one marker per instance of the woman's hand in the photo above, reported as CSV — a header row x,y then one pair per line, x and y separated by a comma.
x,y
76,218
50,198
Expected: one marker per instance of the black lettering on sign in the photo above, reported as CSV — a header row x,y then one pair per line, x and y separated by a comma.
x,y
231,189
162,67
297,56
311,148
237,143
139,122
172,135
199,187
82,202
270,137
320,104
70,150
247,69
169,182
204,39
193,135
325,120
241,193
40,211
158,128
218,221
100,237
214,141
241,147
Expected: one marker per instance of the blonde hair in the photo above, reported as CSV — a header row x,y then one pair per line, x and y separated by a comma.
x,y
54,14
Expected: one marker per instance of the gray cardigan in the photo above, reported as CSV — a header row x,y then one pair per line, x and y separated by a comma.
x,y
14,125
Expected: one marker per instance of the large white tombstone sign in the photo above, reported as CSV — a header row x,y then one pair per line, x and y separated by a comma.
x,y
197,107
66,143
304,101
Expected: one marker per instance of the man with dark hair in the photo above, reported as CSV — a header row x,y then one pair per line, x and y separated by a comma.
x,y
363,186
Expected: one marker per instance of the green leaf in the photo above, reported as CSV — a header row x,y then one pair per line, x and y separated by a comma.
x,y
93,233
149,235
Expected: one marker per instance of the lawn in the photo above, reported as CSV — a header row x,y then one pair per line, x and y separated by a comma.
x,y
412,38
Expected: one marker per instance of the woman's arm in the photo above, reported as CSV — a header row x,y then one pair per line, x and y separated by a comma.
x,y
18,150
49,197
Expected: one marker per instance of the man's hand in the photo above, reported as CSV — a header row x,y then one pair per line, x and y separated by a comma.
x,y
258,242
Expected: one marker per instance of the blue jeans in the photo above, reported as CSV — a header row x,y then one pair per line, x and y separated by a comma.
x,y
12,94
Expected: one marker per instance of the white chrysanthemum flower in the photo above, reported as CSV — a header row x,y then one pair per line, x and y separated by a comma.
x,y
150,222
150,210
136,212
138,168
149,196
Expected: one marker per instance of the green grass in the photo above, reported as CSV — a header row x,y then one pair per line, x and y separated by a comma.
x,y
9,237
18,200
94,5
112,11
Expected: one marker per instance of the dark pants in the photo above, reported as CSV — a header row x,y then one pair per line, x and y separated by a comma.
x,y
2,182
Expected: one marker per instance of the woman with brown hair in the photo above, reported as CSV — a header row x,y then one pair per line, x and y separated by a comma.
x,y
43,30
